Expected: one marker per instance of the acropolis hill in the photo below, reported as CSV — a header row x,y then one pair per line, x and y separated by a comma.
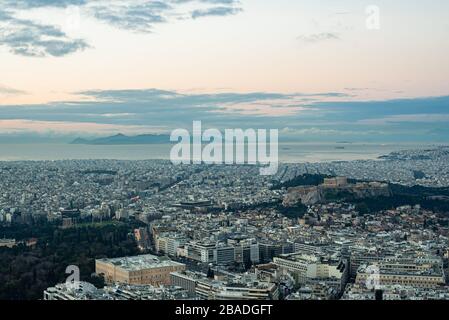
x,y
333,189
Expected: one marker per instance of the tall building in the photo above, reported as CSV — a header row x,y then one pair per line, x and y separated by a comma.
x,y
203,252
224,255
308,269
170,242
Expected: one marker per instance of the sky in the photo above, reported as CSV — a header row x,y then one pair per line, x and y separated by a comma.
x,y
326,70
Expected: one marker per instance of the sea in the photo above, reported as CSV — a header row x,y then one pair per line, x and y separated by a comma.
x,y
297,152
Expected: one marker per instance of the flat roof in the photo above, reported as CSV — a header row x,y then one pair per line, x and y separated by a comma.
x,y
141,262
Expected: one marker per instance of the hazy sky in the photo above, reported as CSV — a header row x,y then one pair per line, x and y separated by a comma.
x,y
302,53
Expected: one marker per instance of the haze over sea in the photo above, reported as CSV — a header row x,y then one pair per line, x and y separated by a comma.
x,y
288,152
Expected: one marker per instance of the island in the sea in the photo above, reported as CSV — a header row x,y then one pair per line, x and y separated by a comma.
x,y
121,139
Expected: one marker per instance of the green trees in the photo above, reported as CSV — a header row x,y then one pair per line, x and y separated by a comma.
x,y
25,272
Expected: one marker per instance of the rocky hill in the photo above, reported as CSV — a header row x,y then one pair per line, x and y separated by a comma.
x,y
309,195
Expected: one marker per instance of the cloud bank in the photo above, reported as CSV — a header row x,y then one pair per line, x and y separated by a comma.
x,y
34,39
305,117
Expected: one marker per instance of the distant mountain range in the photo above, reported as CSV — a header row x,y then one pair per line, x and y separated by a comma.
x,y
121,139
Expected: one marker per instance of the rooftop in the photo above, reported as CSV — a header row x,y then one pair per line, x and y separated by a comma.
x,y
141,262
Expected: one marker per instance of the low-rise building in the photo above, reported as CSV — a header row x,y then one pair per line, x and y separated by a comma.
x,y
225,287
420,274
138,270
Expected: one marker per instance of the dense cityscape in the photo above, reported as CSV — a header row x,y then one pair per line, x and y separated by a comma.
x,y
206,159
355,230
